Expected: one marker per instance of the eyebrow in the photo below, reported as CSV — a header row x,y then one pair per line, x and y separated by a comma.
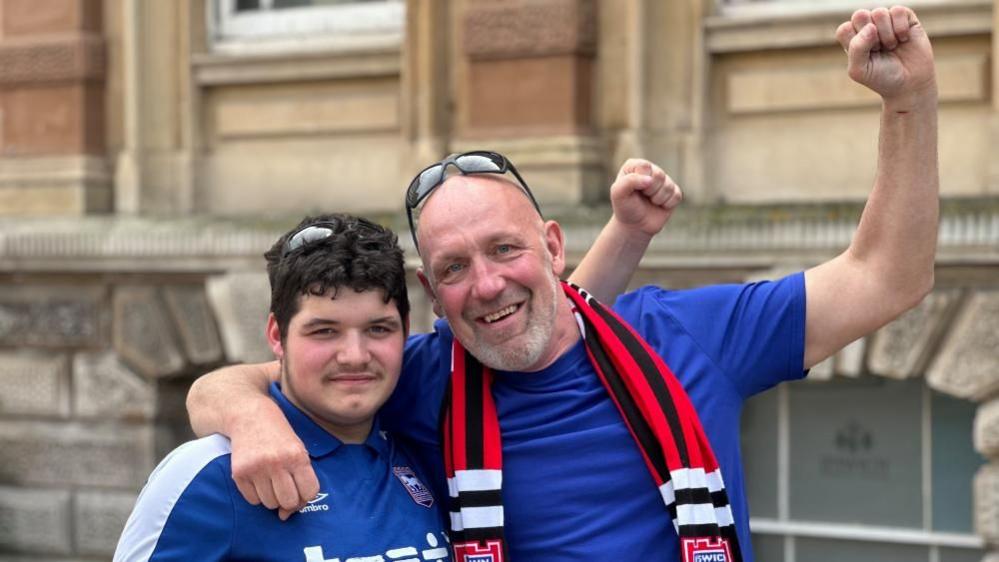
x,y
327,321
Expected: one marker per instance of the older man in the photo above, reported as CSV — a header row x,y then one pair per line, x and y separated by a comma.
x,y
556,411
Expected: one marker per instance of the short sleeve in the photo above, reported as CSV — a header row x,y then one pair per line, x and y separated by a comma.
x,y
754,333
185,511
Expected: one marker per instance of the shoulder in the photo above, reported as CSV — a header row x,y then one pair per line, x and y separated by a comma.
x,y
696,302
193,477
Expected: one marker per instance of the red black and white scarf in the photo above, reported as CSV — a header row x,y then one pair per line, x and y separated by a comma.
x,y
655,409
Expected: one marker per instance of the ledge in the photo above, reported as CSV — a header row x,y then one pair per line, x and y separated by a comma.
x,y
769,27
699,237
224,69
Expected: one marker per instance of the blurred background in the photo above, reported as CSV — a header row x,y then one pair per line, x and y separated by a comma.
x,y
151,150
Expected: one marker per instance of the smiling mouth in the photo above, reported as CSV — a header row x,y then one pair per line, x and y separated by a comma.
x,y
500,314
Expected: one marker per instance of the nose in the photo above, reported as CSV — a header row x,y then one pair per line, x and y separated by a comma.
x,y
488,281
353,351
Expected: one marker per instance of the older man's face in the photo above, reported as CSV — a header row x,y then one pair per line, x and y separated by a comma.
x,y
493,266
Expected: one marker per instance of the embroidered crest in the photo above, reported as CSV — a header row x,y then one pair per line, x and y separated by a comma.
x,y
420,493
706,549
475,551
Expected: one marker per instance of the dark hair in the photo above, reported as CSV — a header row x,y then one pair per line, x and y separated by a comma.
x,y
360,255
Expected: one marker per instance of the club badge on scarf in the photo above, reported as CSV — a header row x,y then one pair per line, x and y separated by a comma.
x,y
706,549
474,551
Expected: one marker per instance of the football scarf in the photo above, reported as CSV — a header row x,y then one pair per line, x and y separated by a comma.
x,y
656,410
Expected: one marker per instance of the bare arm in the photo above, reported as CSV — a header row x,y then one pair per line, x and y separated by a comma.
x,y
269,462
888,267
643,198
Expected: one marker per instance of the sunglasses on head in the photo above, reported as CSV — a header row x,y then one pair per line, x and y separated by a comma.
x,y
323,230
467,163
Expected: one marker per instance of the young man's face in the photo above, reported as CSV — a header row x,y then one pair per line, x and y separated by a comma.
x,y
492,265
341,358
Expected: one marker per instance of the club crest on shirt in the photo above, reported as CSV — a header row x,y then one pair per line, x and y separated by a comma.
x,y
420,493
706,549
474,551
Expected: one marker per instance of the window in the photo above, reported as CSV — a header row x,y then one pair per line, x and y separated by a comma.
x,y
281,25
862,470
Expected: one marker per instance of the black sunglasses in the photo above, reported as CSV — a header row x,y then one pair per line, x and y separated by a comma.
x,y
323,230
468,163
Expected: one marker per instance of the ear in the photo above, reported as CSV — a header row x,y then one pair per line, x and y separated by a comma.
x,y
429,290
274,336
555,243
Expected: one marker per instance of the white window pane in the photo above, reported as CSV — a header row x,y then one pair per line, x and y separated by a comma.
x,y
825,550
856,452
759,453
954,463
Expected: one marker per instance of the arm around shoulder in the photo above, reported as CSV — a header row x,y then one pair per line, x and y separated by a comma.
x,y
269,462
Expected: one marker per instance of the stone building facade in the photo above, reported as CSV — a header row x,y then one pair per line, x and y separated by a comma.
x,y
151,151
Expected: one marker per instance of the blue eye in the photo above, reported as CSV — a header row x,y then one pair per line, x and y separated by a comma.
x,y
504,249
454,268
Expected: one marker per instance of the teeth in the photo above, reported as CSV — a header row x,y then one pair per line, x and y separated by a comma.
x,y
490,318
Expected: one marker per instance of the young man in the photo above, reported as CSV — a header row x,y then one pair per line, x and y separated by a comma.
x,y
338,323
548,456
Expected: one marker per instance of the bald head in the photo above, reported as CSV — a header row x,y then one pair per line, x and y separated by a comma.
x,y
493,198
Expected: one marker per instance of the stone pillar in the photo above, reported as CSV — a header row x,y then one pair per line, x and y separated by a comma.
x,y
155,159
52,56
426,82
526,89
993,180
652,91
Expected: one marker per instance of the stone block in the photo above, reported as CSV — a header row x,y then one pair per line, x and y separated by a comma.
x,y
143,334
986,431
986,502
104,387
35,520
66,454
849,362
967,365
822,371
99,518
902,348
191,313
33,384
241,302
52,316
535,28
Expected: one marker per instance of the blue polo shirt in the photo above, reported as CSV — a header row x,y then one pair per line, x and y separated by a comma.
x,y
372,505
575,486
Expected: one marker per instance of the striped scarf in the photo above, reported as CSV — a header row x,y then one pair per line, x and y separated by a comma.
x,y
655,409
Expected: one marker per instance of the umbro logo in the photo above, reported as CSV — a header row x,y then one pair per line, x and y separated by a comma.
x,y
315,504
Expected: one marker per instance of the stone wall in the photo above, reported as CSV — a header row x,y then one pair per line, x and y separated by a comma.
x,y
104,323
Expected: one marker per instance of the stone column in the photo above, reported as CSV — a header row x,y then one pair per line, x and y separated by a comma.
x,y
993,181
526,88
426,81
155,157
52,56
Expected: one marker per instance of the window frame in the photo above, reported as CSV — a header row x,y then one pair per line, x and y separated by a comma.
x,y
788,529
350,26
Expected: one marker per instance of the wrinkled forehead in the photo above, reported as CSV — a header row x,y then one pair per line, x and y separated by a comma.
x,y
482,192
475,207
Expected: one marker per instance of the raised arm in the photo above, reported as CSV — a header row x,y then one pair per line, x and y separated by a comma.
x,y
269,463
888,267
643,198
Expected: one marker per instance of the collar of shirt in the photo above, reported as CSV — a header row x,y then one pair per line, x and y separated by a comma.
x,y
319,442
